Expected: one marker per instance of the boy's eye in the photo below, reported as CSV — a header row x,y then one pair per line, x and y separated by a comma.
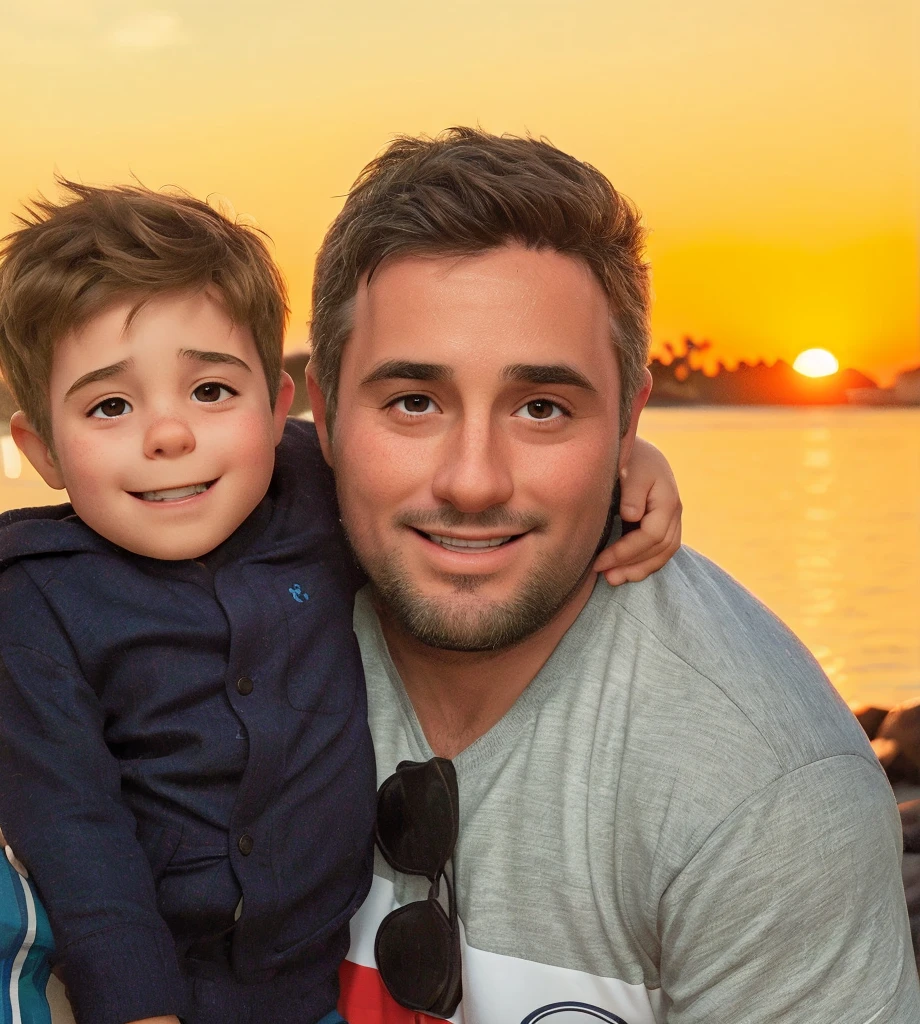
x,y
212,392
414,405
541,409
111,408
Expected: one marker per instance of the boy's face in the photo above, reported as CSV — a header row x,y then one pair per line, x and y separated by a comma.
x,y
163,434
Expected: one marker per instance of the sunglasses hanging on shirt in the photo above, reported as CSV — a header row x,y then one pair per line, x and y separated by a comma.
x,y
418,945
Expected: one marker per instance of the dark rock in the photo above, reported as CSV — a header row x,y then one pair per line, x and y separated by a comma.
x,y
898,767
902,726
910,825
870,718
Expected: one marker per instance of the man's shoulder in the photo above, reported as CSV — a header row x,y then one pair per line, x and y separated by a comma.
x,y
706,708
732,657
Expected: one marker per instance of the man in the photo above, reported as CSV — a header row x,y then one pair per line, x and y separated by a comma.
x,y
665,812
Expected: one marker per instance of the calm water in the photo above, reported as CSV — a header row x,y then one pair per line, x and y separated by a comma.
x,y
816,511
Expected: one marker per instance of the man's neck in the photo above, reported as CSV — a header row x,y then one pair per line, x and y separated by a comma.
x,y
458,696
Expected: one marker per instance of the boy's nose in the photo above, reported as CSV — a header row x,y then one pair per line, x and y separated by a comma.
x,y
168,438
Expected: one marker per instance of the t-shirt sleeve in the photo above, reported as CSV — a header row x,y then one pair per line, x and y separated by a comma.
x,y
61,811
793,908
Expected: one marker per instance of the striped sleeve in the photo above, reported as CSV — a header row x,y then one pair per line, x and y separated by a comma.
x,y
25,950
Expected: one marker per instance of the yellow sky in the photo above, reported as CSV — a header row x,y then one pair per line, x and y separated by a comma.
x,y
772,146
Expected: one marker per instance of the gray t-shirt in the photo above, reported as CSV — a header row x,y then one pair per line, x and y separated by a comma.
x,y
678,820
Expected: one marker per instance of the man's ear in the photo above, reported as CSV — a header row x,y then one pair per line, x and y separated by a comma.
x,y
283,404
29,442
318,404
638,404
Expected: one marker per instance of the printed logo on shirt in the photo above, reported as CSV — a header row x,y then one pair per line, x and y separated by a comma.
x,y
572,1013
298,594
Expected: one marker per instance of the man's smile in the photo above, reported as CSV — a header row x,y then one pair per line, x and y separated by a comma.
x,y
468,543
470,553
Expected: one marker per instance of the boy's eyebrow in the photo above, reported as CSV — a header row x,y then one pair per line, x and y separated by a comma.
x,y
406,369
213,357
95,376
551,373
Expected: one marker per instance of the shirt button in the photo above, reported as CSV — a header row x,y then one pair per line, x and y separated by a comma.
x,y
244,843
244,686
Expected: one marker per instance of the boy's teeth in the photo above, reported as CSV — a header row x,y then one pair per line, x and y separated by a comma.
x,y
174,493
456,542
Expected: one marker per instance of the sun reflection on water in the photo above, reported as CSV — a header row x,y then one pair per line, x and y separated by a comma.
x,y
817,511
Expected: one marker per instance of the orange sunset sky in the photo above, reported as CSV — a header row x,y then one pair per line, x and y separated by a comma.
x,y
772,146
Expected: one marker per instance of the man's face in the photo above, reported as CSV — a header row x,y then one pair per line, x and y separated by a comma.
x,y
476,441
163,434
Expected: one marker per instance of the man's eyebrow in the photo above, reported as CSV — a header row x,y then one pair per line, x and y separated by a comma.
x,y
547,373
196,355
95,376
406,369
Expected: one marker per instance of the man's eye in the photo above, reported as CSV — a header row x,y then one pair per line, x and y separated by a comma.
x,y
414,405
541,409
111,408
213,392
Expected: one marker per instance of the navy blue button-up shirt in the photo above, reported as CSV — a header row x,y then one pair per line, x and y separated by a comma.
x,y
176,737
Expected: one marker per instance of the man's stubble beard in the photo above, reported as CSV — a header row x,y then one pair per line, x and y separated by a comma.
x,y
438,623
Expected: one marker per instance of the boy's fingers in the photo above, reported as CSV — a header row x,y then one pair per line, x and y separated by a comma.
x,y
655,536
632,558
636,572
655,525
647,480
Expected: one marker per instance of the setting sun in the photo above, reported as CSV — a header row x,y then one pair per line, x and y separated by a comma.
x,y
816,362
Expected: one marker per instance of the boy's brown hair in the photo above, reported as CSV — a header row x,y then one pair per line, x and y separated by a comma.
x,y
467,191
72,260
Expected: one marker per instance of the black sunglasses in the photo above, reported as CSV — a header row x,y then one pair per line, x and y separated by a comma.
x,y
418,945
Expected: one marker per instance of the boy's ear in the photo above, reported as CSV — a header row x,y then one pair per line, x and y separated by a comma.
x,y
29,442
318,405
283,404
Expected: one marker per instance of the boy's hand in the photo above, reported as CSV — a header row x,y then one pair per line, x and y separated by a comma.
x,y
649,496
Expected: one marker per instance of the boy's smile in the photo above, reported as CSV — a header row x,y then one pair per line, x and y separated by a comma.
x,y
175,493
163,431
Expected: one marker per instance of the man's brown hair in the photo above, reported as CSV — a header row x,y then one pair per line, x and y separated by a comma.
x,y
72,260
465,192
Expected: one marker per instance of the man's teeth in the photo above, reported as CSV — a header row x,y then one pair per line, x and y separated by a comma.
x,y
456,543
174,493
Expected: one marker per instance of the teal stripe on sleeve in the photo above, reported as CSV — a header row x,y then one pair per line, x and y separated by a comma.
x,y
25,949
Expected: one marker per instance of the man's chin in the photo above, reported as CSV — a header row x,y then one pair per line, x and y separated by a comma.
x,y
466,620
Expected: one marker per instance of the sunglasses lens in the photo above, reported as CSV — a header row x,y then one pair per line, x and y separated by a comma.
x,y
417,817
419,958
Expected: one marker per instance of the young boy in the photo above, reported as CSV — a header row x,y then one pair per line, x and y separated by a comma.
x,y
185,762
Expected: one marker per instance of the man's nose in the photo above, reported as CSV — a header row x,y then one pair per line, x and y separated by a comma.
x,y
474,471
168,437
